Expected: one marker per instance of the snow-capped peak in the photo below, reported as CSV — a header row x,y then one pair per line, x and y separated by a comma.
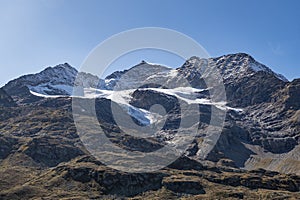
x,y
232,66
53,80
58,80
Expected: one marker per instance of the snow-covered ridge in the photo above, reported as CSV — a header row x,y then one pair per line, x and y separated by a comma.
x,y
189,95
59,80
186,94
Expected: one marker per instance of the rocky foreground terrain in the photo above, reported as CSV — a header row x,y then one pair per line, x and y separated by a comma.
x,y
257,155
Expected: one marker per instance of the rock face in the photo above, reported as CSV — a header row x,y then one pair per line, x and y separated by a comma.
x,y
291,95
50,152
5,99
7,146
253,90
41,154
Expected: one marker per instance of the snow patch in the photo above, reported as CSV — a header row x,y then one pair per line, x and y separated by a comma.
x,y
46,96
257,68
173,73
47,88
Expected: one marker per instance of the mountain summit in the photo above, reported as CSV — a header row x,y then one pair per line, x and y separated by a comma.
x,y
58,80
235,66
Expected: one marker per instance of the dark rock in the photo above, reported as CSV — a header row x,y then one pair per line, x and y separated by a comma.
x,y
279,145
7,145
185,163
256,89
5,99
115,182
187,185
49,151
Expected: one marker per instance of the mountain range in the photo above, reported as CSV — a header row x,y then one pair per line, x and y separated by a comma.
x,y
255,156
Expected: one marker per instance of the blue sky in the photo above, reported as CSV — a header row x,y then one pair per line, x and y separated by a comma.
x,y
39,33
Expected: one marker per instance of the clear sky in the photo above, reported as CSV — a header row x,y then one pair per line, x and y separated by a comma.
x,y
39,33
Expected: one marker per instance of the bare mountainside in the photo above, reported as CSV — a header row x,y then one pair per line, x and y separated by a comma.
x,y
256,156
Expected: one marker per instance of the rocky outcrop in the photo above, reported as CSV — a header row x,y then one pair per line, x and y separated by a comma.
x,y
258,179
86,178
253,90
5,99
279,145
289,95
7,145
50,152
187,185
